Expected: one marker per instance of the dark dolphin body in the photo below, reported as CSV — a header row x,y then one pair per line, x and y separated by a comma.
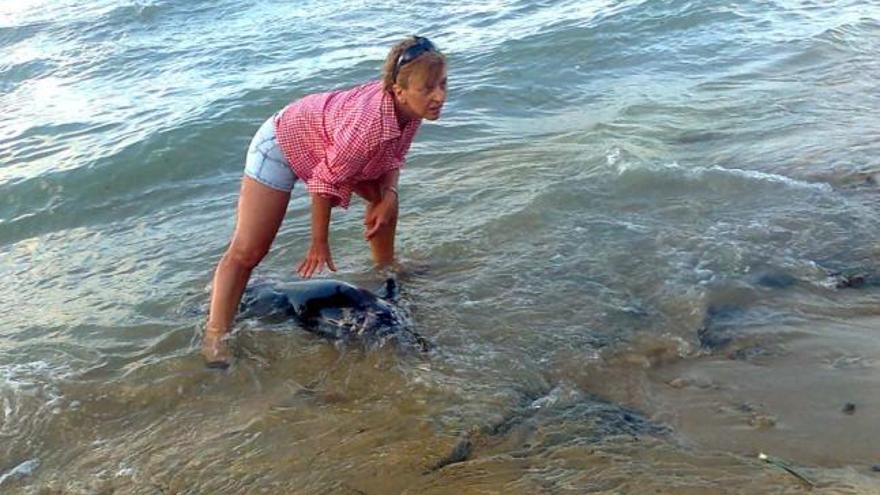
x,y
335,310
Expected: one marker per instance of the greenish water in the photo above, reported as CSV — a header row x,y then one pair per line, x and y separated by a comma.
x,y
608,178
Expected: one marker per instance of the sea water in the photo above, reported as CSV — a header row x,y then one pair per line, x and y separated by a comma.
x,y
632,236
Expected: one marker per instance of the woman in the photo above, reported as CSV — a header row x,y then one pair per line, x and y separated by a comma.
x,y
341,142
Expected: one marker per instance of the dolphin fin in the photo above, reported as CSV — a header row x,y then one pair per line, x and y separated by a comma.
x,y
390,290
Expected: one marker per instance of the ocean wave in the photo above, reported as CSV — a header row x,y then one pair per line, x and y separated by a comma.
x,y
30,392
12,35
15,73
713,177
21,471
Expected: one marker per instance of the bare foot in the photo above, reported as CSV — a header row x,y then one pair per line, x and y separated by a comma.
x,y
215,349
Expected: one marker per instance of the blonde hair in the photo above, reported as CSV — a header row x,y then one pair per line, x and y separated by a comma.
x,y
428,66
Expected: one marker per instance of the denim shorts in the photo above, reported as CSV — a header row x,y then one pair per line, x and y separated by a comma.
x,y
265,163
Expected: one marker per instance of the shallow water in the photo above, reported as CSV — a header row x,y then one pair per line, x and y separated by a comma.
x,y
628,237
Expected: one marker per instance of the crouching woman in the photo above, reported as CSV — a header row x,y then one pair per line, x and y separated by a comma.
x,y
338,143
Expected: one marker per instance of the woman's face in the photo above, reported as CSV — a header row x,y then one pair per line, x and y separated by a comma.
x,y
422,99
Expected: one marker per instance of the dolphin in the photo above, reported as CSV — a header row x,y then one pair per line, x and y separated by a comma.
x,y
335,310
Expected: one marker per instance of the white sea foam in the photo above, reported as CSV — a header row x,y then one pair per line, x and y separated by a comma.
x,y
21,471
624,167
33,380
563,392
32,375
766,177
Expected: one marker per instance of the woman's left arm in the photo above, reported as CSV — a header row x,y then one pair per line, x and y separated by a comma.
x,y
383,213
388,184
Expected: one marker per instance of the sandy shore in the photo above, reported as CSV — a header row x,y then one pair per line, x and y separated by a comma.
x,y
809,394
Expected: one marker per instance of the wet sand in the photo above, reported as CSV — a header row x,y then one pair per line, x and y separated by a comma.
x,y
809,395
812,397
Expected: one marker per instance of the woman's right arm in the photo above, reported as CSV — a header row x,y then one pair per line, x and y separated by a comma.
x,y
319,251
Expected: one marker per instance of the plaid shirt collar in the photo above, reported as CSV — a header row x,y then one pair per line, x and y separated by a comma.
x,y
390,128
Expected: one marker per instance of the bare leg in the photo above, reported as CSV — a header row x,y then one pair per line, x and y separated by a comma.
x,y
260,212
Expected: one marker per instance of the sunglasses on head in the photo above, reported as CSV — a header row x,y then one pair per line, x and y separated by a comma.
x,y
422,45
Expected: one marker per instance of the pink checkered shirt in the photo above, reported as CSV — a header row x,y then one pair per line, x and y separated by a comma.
x,y
335,140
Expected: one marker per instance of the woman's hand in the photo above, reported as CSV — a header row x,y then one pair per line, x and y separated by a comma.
x,y
318,256
380,214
